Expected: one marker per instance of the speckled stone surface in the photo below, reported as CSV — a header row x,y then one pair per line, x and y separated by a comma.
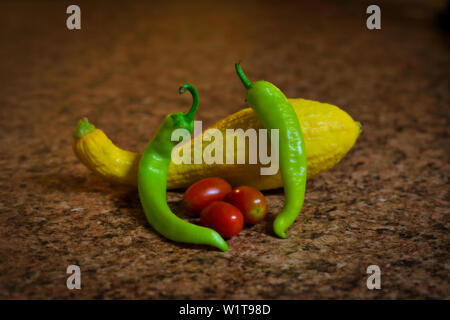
x,y
386,203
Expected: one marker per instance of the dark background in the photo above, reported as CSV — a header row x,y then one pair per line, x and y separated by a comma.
x,y
386,203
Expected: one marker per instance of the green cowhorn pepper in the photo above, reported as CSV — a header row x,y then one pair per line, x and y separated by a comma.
x,y
275,112
152,182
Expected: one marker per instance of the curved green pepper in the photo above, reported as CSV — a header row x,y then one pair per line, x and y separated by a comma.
x,y
275,112
152,180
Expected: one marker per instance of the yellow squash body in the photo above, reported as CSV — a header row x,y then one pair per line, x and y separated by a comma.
x,y
329,134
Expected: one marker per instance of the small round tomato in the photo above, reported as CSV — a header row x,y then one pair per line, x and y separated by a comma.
x,y
204,192
222,217
250,202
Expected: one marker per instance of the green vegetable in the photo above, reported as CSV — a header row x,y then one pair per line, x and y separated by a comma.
x,y
275,112
152,182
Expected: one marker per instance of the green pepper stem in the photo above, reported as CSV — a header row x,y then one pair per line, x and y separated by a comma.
x,y
241,74
191,113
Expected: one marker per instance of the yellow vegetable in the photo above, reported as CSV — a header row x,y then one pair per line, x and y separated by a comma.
x,y
329,134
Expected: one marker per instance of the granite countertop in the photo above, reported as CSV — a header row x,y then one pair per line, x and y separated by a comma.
x,y
386,203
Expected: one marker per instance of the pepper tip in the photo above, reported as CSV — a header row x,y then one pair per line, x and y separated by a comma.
x,y
279,230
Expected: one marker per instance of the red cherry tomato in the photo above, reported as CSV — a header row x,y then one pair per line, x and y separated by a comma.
x,y
204,192
250,202
223,217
